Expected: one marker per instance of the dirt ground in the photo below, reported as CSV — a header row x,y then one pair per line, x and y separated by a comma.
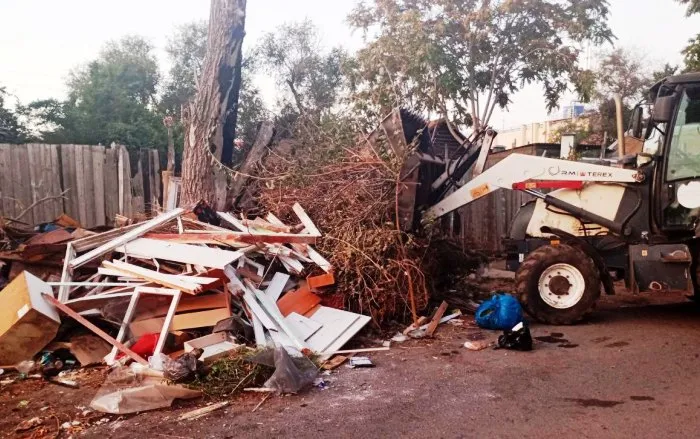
x,y
630,370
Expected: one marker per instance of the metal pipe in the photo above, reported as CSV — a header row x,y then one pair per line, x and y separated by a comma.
x,y
620,126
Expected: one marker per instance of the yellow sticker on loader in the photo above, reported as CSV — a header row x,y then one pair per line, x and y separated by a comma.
x,y
479,191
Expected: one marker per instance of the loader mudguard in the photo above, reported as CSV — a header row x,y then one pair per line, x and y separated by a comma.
x,y
589,250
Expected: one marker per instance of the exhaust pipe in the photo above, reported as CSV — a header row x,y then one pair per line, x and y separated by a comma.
x,y
620,127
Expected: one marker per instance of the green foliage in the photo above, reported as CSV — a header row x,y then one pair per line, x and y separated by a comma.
x,y
109,100
469,56
622,72
11,129
691,55
693,6
310,81
667,70
186,50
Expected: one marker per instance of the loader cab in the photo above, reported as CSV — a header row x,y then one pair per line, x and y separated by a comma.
x,y
676,116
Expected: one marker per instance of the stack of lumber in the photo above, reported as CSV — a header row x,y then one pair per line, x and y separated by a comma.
x,y
174,275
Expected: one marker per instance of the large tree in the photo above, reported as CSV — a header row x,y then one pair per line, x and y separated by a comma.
x,y
186,50
309,77
11,129
467,57
691,55
111,99
693,6
208,116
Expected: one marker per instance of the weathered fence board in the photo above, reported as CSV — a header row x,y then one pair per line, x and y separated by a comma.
x,y
96,181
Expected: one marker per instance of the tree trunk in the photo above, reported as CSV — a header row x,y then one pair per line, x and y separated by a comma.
x,y
207,114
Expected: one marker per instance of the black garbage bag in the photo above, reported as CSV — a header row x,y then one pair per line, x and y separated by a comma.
x,y
518,338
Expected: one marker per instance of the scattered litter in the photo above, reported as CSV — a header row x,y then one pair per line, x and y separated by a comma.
x,y
360,362
320,383
125,392
518,338
477,345
399,338
196,414
334,362
502,311
29,424
288,376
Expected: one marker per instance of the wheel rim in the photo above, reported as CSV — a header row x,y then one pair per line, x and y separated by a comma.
x,y
561,286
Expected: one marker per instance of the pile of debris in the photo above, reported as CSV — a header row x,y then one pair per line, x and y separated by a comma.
x,y
177,291
353,190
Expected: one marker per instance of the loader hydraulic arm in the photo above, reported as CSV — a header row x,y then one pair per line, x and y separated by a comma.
x,y
526,172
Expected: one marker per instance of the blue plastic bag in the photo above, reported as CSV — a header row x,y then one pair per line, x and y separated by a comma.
x,y
502,311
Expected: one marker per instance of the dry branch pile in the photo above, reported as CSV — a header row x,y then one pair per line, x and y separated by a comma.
x,y
350,188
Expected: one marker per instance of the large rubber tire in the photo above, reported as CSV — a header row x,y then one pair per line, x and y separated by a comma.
x,y
527,280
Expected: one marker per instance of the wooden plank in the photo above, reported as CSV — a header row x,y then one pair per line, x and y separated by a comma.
x,y
137,190
80,186
89,182
306,220
111,185
335,322
300,301
183,253
276,287
64,152
6,204
33,179
97,331
191,320
303,325
157,190
271,308
125,238
21,189
154,276
98,162
359,351
436,319
198,413
128,317
55,180
348,334
232,237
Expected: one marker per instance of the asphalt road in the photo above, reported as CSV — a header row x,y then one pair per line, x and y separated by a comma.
x,y
630,371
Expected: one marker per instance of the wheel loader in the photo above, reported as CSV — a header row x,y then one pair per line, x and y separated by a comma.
x,y
635,216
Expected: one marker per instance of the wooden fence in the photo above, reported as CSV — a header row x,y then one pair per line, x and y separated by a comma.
x,y
91,183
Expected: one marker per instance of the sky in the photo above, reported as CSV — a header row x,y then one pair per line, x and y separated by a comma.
x,y
42,40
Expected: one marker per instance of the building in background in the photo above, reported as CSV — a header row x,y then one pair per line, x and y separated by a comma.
x,y
571,118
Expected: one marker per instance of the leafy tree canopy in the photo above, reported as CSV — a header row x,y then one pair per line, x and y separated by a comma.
x,y
109,100
11,129
312,78
186,50
469,56
693,6
691,55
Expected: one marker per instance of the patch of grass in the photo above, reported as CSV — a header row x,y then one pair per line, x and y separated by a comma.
x,y
230,375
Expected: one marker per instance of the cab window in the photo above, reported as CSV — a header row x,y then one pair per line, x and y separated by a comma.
x,y
684,154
